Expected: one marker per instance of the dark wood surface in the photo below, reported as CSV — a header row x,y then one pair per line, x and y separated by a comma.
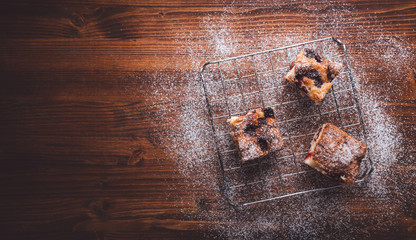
x,y
83,152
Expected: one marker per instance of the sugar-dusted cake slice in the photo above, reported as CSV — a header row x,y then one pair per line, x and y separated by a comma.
x,y
336,154
313,74
256,133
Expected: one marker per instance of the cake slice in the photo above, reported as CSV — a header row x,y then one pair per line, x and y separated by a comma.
x,y
256,134
336,154
313,74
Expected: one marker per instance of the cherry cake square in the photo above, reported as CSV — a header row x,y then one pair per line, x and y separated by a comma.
x,y
313,74
256,134
336,154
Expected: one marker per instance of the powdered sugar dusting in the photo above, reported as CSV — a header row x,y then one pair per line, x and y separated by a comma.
x,y
191,143
385,140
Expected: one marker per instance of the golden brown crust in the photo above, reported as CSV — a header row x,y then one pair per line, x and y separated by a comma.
x,y
256,134
336,154
313,74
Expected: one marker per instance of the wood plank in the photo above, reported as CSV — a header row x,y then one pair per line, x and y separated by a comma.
x,y
86,43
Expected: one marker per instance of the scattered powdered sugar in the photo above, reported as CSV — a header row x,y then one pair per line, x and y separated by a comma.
x,y
222,41
183,117
385,139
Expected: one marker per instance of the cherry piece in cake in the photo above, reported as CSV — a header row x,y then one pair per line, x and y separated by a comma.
x,y
313,74
256,134
336,154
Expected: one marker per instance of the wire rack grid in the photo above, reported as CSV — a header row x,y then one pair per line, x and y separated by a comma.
x,y
236,85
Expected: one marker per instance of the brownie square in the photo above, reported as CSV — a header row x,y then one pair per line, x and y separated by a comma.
x,y
256,134
313,74
336,154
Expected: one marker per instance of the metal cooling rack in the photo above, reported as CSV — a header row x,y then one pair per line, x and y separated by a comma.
x,y
236,85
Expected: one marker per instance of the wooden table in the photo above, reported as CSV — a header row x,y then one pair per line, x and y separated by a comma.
x,y
90,106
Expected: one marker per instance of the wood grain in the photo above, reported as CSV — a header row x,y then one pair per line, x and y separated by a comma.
x,y
82,149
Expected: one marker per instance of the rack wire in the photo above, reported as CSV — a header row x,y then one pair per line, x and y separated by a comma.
x,y
233,86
